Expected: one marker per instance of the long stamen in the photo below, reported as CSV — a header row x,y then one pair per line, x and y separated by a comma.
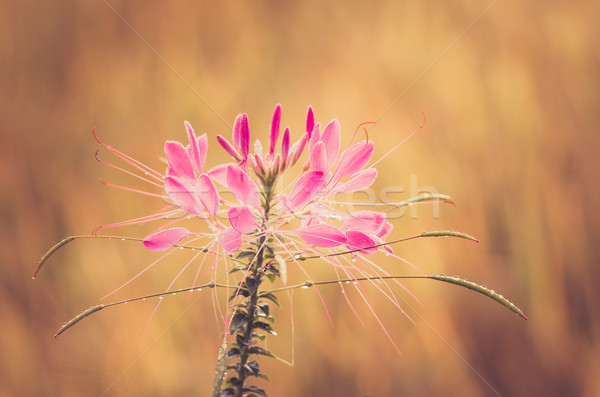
x,y
143,219
132,190
133,162
127,172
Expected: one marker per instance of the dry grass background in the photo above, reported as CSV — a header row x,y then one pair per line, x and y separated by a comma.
x,y
511,133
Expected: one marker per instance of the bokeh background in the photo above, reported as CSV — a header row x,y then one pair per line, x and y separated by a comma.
x,y
511,134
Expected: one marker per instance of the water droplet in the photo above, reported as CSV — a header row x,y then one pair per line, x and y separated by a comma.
x,y
198,289
174,293
387,254
304,287
180,248
355,282
353,259
143,299
122,239
160,297
343,292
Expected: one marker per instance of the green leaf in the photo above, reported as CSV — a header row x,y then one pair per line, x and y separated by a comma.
x,y
252,284
255,389
265,377
262,310
233,352
269,296
227,392
260,351
272,277
238,321
265,327
246,254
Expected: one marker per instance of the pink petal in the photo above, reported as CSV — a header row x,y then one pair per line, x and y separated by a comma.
x,y
354,159
207,193
242,219
219,173
179,161
258,149
357,239
242,186
182,195
285,145
370,222
318,157
331,138
260,166
386,230
315,137
297,149
310,120
229,148
244,136
306,189
361,180
231,240
192,149
166,239
202,142
325,236
237,127
275,123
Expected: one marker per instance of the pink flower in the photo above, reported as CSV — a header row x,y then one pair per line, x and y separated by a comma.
x,y
263,212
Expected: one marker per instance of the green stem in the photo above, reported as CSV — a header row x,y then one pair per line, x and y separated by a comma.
x,y
242,372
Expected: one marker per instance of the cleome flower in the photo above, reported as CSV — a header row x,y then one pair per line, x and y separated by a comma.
x,y
252,179
257,222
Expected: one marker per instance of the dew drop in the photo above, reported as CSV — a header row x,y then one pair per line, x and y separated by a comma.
x,y
160,297
198,289
347,281
143,299
174,293
353,259
304,287
122,239
387,254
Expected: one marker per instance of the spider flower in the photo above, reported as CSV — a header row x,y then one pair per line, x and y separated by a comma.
x,y
260,207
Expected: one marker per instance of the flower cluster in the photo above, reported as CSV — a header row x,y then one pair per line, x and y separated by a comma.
x,y
260,208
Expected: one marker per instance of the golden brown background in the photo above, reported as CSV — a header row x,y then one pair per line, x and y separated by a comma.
x,y
511,133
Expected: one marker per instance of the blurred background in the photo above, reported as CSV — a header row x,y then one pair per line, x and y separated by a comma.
x,y
511,133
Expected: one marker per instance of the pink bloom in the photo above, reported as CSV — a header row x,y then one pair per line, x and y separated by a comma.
x,y
326,236
166,239
231,240
242,186
242,219
306,190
